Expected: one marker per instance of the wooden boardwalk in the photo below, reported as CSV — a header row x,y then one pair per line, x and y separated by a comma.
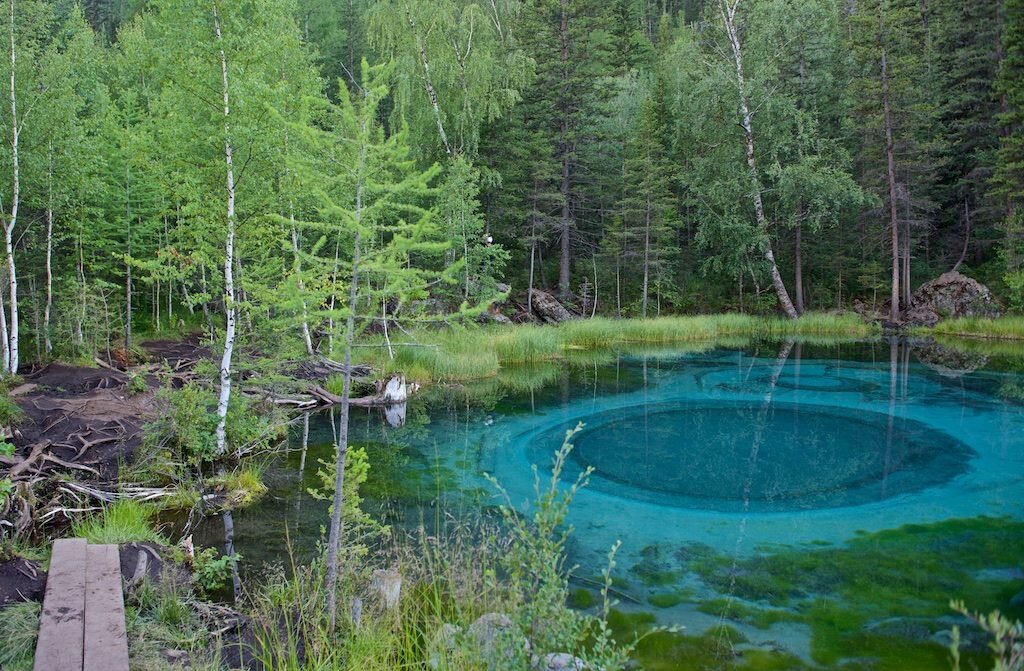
x,y
82,625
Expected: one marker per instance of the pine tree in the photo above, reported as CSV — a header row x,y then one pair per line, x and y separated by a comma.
x,y
1008,181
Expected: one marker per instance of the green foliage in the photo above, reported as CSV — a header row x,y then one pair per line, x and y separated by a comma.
x,y
1007,638
124,521
10,412
360,528
210,572
136,384
186,429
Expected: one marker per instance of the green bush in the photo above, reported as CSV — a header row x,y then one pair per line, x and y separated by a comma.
x,y
189,424
210,572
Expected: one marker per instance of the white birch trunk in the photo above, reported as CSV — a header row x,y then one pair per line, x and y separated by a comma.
x,y
229,255
48,308
3,331
728,8
306,337
9,225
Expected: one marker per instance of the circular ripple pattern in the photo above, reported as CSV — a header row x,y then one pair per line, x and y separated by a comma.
x,y
746,456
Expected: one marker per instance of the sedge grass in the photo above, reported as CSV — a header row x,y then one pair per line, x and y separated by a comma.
x,y
121,522
1002,328
459,354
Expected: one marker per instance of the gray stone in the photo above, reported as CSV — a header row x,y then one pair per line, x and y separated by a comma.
x,y
559,661
951,295
496,639
443,645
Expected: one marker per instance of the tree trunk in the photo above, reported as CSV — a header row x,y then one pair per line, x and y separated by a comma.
x,y
647,260
564,146
533,254
306,337
341,444
728,8
80,313
798,272
13,220
48,309
128,265
894,296
967,238
229,254
3,331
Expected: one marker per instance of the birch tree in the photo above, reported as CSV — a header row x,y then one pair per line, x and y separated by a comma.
x,y
729,10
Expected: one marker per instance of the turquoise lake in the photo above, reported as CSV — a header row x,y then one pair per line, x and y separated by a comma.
x,y
791,504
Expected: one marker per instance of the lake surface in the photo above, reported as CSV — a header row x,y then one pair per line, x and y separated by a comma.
x,y
793,505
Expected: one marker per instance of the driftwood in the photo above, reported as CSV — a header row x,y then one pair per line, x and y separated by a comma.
x,y
548,308
390,392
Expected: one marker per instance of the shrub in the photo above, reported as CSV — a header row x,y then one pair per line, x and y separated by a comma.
x,y
210,572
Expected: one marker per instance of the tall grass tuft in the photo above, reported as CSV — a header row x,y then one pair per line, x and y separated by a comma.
x,y
1005,328
18,630
459,354
121,522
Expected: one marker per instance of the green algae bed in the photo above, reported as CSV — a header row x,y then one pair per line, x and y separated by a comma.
x,y
880,601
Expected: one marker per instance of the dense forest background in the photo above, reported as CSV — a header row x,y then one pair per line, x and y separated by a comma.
x,y
661,157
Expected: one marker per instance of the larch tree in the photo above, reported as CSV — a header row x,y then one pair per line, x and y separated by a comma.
x,y
372,212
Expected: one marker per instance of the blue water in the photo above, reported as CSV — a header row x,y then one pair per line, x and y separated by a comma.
x,y
739,451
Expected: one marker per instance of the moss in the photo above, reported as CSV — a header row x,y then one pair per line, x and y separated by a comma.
x,y
581,598
740,611
670,599
655,567
720,648
902,578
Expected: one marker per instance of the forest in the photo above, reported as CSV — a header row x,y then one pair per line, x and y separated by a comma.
x,y
168,159
251,213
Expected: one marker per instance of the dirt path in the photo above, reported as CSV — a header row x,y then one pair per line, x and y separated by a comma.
x,y
81,425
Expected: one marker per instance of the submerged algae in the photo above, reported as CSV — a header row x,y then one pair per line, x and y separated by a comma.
x,y
879,602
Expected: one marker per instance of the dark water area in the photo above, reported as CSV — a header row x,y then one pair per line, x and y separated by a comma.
x,y
821,502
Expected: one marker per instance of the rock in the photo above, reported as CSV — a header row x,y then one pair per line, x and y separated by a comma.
x,y
496,639
559,661
174,656
443,645
548,308
950,295
920,316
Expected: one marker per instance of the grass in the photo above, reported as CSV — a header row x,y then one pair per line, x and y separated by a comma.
x,y
241,486
1002,328
18,628
121,522
460,355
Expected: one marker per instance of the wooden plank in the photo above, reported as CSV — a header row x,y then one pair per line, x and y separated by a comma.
x,y
62,623
106,640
